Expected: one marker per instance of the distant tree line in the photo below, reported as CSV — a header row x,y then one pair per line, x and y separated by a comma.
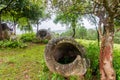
x,y
89,34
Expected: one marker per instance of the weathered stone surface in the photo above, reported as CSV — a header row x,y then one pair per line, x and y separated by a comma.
x,y
43,34
66,57
6,31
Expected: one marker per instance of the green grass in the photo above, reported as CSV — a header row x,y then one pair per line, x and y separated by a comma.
x,y
28,63
92,50
21,64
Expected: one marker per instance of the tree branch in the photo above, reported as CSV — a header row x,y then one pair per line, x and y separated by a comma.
x,y
100,30
6,6
106,5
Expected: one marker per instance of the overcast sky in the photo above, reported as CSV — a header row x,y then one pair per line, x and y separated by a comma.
x,y
49,24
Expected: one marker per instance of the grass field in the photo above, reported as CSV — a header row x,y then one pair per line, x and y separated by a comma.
x,y
28,63
21,64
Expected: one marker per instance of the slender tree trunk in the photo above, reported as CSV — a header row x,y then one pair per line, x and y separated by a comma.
x,y
0,31
73,33
98,37
82,35
106,67
14,28
14,25
0,28
73,25
37,26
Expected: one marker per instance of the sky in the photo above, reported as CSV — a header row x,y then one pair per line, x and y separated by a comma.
x,y
49,24
53,27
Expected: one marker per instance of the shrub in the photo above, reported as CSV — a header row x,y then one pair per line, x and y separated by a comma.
x,y
92,52
36,40
12,44
45,41
116,61
28,37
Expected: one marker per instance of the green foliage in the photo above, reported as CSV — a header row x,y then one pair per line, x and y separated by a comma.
x,y
36,40
67,33
45,41
28,37
55,76
116,60
117,38
22,12
92,53
82,33
69,13
31,37
12,44
91,34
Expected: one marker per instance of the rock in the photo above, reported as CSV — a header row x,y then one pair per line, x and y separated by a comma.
x,y
43,34
65,57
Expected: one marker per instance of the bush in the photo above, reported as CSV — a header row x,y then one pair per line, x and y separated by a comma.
x,y
92,50
117,40
12,44
28,37
93,54
45,41
36,40
116,61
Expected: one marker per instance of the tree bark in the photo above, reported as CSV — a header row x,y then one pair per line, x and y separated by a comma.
x,y
106,67
0,31
0,28
14,25
73,33
14,28
37,26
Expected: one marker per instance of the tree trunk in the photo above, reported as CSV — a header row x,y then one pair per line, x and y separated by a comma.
x,y
37,26
0,31
73,33
82,35
106,67
0,28
14,25
14,28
